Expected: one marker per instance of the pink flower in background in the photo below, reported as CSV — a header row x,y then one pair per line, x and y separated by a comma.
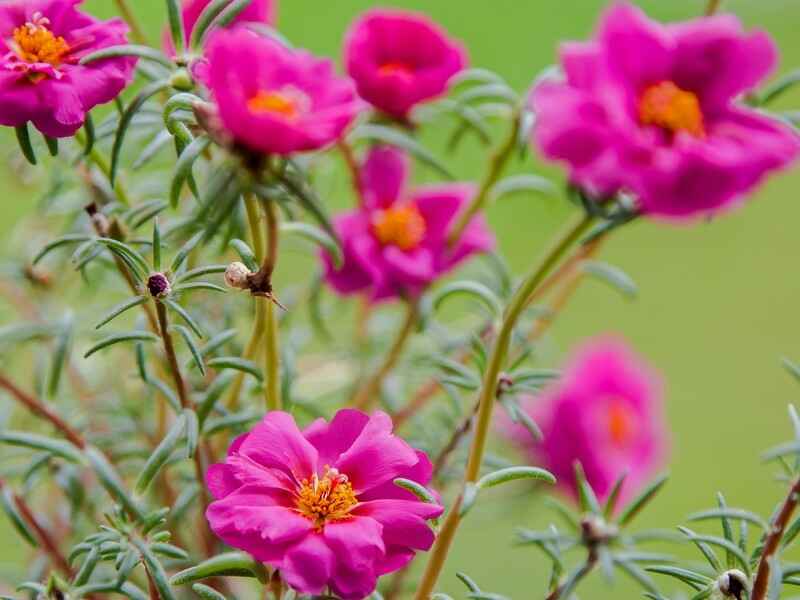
x,y
396,243
274,99
400,59
606,413
651,108
41,80
321,505
258,11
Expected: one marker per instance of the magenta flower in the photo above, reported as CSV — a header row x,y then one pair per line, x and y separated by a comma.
x,y
399,59
273,99
41,80
606,413
650,108
258,11
321,505
396,243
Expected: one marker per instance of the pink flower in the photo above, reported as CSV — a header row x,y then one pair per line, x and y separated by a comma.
x,y
41,80
396,243
651,108
273,99
399,59
321,505
258,11
606,413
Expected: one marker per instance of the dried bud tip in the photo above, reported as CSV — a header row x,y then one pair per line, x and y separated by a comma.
x,y
733,584
237,276
158,285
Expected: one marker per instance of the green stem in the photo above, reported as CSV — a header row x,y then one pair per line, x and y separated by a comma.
x,y
137,33
562,243
272,376
712,7
366,395
497,163
97,159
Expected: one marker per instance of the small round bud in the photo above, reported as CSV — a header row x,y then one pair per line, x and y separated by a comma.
x,y
504,384
181,80
733,584
237,275
158,285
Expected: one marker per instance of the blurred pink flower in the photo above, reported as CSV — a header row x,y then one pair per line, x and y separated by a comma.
x,y
41,80
321,505
396,243
274,99
400,59
258,11
606,413
651,108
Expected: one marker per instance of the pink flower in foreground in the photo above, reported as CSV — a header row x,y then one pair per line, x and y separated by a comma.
x,y
651,108
396,243
273,99
606,413
399,59
321,505
41,80
258,11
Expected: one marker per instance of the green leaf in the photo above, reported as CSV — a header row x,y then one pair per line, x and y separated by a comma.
x,y
176,28
692,578
468,581
35,441
134,336
137,262
213,393
394,137
303,192
88,129
777,89
737,514
613,276
468,498
160,455
419,490
9,507
235,564
204,21
490,91
184,252
317,236
159,141
704,548
24,140
169,551
72,238
187,318
156,246
470,288
205,592
127,116
239,364
145,52
586,496
638,503
87,567
155,570
514,474
200,285
183,168
613,497
60,356
192,431
187,337
200,272
119,309
111,481
245,253
52,145
725,545
225,18
523,183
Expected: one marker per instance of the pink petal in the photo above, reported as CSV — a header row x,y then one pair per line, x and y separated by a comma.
x,y
276,442
384,175
334,438
308,565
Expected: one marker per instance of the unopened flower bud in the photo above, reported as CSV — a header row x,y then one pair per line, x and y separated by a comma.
x,y
158,285
733,584
181,80
237,275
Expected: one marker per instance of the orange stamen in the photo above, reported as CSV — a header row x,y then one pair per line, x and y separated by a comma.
x,y
329,498
621,422
395,67
286,104
35,43
667,106
401,225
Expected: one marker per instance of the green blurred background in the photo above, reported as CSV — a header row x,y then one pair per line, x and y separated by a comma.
x,y
718,301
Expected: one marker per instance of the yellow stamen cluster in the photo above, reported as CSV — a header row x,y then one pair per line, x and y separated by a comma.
x,y
667,106
273,102
34,42
621,422
401,225
327,498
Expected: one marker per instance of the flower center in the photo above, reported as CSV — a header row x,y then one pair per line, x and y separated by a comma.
x,y
667,106
401,225
35,43
327,498
288,103
395,67
621,422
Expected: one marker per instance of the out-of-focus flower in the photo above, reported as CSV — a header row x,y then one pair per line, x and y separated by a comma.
x,y
650,108
400,59
258,11
606,413
395,244
321,505
274,99
41,80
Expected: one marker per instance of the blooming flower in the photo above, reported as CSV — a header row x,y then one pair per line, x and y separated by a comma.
x,y
606,413
258,11
396,242
651,108
41,80
274,99
321,505
399,59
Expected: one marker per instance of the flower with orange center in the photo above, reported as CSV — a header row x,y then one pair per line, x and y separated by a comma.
x,y
35,43
671,108
326,498
400,225
396,67
621,422
289,104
